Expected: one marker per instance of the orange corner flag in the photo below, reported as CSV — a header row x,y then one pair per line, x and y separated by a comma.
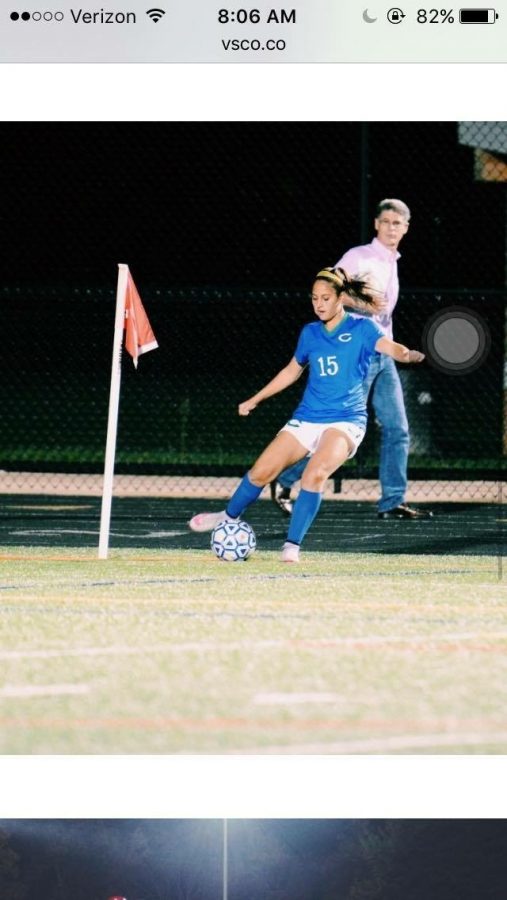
x,y
139,336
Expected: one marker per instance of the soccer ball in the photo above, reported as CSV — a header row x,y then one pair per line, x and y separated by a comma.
x,y
233,541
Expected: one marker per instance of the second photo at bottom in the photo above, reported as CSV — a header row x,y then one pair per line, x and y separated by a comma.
x,y
250,859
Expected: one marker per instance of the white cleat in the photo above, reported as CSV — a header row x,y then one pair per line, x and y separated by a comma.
x,y
207,521
290,553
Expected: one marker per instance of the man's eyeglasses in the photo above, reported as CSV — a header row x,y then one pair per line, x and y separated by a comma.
x,y
393,224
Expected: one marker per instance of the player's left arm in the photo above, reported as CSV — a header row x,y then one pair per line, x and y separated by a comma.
x,y
398,351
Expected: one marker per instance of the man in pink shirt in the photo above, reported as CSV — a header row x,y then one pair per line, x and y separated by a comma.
x,y
378,260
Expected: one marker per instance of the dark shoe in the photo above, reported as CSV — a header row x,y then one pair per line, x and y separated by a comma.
x,y
404,511
281,497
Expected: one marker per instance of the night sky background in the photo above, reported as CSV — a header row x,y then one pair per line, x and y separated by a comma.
x,y
282,859
263,204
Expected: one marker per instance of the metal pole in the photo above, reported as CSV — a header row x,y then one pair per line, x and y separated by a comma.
x,y
225,862
504,435
365,224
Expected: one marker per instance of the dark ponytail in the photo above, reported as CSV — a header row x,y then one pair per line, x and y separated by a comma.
x,y
343,283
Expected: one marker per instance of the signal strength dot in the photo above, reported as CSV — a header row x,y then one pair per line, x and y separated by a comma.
x,y
155,14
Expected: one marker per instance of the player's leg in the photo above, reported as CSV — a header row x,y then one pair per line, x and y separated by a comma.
x,y
281,486
294,473
333,449
283,451
389,406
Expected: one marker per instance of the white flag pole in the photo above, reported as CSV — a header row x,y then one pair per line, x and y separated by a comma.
x,y
114,402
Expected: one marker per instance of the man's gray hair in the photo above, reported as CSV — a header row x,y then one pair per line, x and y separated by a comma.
x,y
397,205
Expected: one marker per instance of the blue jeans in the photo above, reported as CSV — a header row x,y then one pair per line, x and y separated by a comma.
x,y
383,381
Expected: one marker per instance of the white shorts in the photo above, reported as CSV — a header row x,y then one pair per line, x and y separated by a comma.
x,y
309,433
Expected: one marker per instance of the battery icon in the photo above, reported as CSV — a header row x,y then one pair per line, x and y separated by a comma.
x,y
477,16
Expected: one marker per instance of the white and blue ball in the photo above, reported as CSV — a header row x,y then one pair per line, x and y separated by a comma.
x,y
233,541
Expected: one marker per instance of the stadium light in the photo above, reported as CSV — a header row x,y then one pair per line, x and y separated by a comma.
x,y
225,878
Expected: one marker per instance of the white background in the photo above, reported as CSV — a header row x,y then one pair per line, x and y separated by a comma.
x,y
304,92
253,787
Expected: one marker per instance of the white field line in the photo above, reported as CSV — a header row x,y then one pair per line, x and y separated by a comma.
x,y
383,745
49,532
295,699
200,646
122,650
43,690
51,507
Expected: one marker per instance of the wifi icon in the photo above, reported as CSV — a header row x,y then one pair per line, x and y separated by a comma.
x,y
155,14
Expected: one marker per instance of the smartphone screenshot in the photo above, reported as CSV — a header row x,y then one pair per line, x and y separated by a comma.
x,y
252,460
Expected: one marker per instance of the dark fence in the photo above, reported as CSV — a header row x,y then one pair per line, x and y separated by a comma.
x,y
178,412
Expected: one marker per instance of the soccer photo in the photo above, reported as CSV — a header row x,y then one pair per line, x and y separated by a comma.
x,y
254,435
252,859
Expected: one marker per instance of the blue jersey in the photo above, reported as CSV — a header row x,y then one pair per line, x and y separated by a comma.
x,y
337,365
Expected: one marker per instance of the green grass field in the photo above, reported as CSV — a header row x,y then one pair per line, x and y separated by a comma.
x,y
175,652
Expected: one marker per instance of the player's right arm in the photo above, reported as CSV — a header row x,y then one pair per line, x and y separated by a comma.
x,y
286,376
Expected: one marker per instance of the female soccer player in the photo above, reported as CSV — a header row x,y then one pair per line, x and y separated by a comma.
x,y
330,421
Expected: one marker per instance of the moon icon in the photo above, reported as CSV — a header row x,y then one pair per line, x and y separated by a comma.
x,y
367,18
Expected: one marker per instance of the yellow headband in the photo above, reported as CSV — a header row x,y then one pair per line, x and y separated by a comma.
x,y
328,273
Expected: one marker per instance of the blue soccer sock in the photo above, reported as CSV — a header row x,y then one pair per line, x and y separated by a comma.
x,y
306,508
245,493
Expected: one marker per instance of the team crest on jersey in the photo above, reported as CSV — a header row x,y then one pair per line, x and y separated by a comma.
x,y
345,338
